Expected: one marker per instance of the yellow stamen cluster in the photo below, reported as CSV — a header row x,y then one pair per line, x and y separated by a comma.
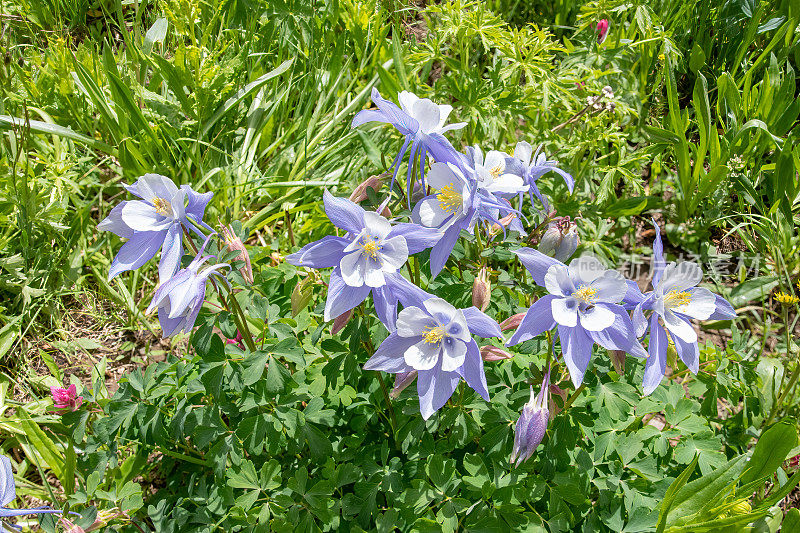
x,y
449,199
434,335
496,171
370,248
162,206
585,293
677,299
786,299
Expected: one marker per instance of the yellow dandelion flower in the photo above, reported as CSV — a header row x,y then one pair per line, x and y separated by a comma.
x,y
786,299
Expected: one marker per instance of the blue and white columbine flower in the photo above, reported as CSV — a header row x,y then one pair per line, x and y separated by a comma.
x,y
365,260
456,204
154,221
531,166
8,493
675,299
491,173
532,423
583,304
180,298
421,122
435,339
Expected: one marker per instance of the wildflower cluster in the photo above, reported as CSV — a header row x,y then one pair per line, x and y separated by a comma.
x,y
430,341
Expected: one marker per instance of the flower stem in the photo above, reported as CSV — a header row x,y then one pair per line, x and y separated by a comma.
x,y
574,397
795,374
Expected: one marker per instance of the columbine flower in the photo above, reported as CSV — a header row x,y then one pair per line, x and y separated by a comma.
x,y
532,424
560,240
602,30
366,259
66,398
675,299
583,303
180,298
491,173
421,122
435,339
155,220
455,205
8,493
530,167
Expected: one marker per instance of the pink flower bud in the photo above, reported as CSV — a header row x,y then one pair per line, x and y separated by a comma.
x,y
401,381
66,398
493,353
233,244
341,321
236,340
560,240
375,183
481,290
495,229
70,527
602,30
511,322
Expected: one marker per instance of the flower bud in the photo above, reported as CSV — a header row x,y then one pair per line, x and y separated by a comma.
x,y
512,322
375,183
301,295
341,321
532,424
70,527
618,360
741,507
560,240
495,228
493,353
66,398
401,381
481,290
602,30
234,243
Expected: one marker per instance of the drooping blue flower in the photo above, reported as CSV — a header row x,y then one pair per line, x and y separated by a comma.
x,y
422,123
366,259
457,203
180,298
8,493
531,166
532,424
435,339
675,299
583,305
155,222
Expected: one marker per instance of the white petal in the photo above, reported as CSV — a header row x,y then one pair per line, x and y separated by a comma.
x,y
141,216
597,318
373,274
427,114
407,100
523,152
495,159
440,310
441,175
565,311
430,214
458,326
611,287
587,268
558,282
453,354
413,322
353,268
376,225
679,327
422,356
444,112
702,304
679,277
394,253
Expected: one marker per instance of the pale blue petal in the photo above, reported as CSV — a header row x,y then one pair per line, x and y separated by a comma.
x,y
472,370
342,297
324,253
537,320
434,388
137,251
343,213
576,347
480,324
389,355
656,366
537,263
171,253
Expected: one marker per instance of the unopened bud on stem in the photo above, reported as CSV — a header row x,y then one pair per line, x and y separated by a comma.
x,y
481,290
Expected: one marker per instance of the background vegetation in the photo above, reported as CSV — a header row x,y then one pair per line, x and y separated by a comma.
x,y
253,100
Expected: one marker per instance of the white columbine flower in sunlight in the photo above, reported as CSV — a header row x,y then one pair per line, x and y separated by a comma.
x,y
492,175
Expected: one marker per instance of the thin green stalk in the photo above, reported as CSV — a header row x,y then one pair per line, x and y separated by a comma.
x,y
795,374
574,397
